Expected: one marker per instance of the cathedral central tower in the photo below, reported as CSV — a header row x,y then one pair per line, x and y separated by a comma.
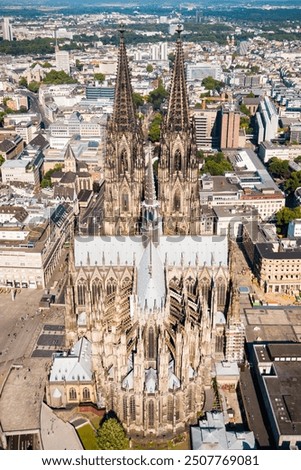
x,y
178,181
124,159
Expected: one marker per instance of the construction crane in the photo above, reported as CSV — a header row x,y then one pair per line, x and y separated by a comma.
x,y
223,97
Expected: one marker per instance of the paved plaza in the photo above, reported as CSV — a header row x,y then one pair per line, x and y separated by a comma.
x,y
28,337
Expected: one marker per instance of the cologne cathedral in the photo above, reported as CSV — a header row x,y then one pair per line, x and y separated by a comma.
x,y
151,293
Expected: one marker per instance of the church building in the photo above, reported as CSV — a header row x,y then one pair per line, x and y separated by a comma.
x,y
150,293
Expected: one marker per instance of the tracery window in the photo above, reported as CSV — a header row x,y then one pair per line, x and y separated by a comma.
x,y
96,291
178,160
170,409
86,393
72,394
81,292
132,408
151,343
151,413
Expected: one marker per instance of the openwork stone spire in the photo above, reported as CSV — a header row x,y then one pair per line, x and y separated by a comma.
x,y
150,192
177,114
124,116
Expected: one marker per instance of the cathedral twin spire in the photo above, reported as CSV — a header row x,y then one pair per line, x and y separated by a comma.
x,y
178,112
126,183
124,113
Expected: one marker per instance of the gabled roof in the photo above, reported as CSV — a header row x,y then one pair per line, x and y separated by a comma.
x,y
76,366
39,141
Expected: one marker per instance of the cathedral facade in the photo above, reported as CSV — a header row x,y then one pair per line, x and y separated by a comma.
x,y
150,294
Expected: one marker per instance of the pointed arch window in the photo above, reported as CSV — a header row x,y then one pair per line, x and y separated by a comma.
x,y
178,408
205,289
125,202
111,286
178,160
170,409
190,283
190,399
124,161
132,408
81,292
96,291
221,293
86,394
125,408
151,413
151,343
72,394
177,201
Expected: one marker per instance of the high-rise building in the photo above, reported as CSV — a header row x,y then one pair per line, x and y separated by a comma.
x,y
152,307
202,70
163,51
7,31
62,60
206,129
267,120
229,126
159,51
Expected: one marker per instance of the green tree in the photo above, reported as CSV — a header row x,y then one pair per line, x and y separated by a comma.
x,y
158,96
138,99
46,181
2,116
58,77
293,182
149,68
33,86
285,216
46,65
216,165
243,108
2,159
211,84
155,128
279,168
100,77
244,122
111,436
5,100
23,82
298,159
200,154
79,65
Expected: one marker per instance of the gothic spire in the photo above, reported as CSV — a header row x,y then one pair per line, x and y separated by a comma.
x,y
177,114
124,116
150,192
